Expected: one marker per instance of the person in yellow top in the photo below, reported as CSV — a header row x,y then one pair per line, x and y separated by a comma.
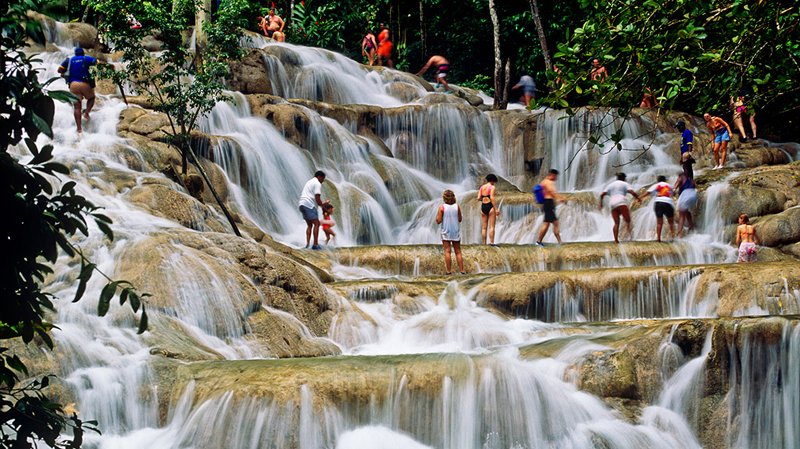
x,y
722,135
746,240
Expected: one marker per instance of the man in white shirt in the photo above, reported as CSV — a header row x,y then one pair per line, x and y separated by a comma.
x,y
619,203
309,200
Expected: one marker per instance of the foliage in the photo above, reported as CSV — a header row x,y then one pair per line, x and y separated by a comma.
x,y
43,221
482,83
694,55
318,27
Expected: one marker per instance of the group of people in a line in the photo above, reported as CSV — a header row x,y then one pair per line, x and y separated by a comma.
x,y
382,47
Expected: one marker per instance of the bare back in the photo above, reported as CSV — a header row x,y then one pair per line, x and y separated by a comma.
x,y
746,233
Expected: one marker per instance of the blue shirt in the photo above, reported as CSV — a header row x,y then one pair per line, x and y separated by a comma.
x,y
686,141
79,67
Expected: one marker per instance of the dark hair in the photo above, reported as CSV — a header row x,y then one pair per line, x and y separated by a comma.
x,y
491,178
745,218
662,178
319,173
327,207
680,125
78,51
621,176
553,171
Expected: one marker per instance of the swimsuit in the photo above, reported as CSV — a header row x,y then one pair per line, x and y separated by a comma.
x,y
721,133
549,207
270,33
368,43
486,207
443,70
385,47
327,225
747,252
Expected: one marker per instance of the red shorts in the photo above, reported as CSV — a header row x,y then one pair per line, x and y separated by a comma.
x,y
385,48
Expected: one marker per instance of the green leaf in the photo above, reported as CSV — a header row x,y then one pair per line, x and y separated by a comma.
x,y
41,124
63,96
86,273
142,322
105,298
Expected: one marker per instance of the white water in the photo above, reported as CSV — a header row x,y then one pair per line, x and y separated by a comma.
x,y
491,399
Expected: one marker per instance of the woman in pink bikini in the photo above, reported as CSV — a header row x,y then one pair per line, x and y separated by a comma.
x,y
368,47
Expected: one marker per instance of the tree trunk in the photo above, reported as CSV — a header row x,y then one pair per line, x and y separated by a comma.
x,y
199,166
422,32
498,65
540,31
504,104
201,39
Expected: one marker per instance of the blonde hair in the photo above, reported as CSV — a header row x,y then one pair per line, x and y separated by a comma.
x,y
449,197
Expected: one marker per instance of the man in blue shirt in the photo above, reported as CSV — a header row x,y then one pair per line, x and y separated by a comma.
x,y
78,81
687,160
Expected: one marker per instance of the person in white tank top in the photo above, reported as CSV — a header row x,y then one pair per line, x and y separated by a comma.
x,y
618,203
449,216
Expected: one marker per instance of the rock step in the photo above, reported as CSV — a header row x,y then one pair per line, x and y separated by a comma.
x,y
601,294
421,260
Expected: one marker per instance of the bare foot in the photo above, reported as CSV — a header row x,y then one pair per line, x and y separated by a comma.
x,y
86,115
80,131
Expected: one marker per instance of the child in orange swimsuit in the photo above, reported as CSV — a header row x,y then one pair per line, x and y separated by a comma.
x,y
327,222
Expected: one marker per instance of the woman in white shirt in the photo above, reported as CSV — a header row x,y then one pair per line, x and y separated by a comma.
x,y
618,203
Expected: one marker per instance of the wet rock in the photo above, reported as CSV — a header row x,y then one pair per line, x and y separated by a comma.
x,y
283,336
439,98
292,120
779,229
782,179
404,92
162,198
148,123
249,75
750,200
83,34
152,44
609,374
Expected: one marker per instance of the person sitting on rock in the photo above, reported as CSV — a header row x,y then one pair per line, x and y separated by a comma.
x,y
442,66
746,240
275,26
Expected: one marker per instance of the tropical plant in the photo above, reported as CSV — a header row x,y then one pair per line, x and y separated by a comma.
x,y
41,222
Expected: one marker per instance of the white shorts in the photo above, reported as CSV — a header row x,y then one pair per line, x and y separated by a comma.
x,y
616,201
747,252
687,200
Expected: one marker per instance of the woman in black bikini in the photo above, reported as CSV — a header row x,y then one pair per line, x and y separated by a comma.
x,y
489,210
368,47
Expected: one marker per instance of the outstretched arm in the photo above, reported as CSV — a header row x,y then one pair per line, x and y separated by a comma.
x,y
601,199
424,69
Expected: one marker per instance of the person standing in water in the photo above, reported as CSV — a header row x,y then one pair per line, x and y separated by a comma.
x,y
328,223
687,145
618,203
662,205
442,66
528,86
746,240
489,210
722,135
551,195
309,200
449,216
79,83
384,47
368,47
686,200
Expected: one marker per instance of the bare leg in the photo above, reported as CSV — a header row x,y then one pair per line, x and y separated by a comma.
x,y
626,215
371,56
681,216
545,226
484,224
77,114
310,225
671,221
89,106
316,232
615,216
380,60
737,120
689,219
492,221
716,154
391,64
556,233
448,262
459,260
446,86
723,149
659,223
753,124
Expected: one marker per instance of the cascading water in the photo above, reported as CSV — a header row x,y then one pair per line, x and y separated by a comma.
x,y
431,369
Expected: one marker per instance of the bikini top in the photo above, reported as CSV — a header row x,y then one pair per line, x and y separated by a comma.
x,y
485,195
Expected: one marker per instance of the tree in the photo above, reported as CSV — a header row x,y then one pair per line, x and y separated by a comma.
x,y
498,64
43,221
540,31
182,85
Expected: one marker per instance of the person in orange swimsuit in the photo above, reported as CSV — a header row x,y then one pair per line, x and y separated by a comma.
x,y
328,223
384,47
722,135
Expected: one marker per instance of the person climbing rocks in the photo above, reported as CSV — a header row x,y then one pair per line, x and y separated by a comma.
x,y
368,47
384,46
442,66
687,145
599,72
739,104
489,210
309,200
662,204
746,240
80,82
328,223
722,135
449,216
551,195
687,198
275,26
618,203
528,86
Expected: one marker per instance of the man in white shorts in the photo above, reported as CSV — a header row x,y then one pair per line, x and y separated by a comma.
x,y
618,202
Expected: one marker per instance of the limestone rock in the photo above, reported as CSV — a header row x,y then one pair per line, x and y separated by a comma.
x,y
167,201
404,92
282,336
779,229
249,75
83,34
609,374
152,44
440,98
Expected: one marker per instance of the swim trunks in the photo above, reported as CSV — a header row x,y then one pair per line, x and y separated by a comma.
x,y
549,207
664,210
270,33
747,252
309,213
385,48
722,136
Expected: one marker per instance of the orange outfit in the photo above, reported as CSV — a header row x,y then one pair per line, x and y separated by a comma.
x,y
385,47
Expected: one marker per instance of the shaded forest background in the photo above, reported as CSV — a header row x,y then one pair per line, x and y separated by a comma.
x,y
461,30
